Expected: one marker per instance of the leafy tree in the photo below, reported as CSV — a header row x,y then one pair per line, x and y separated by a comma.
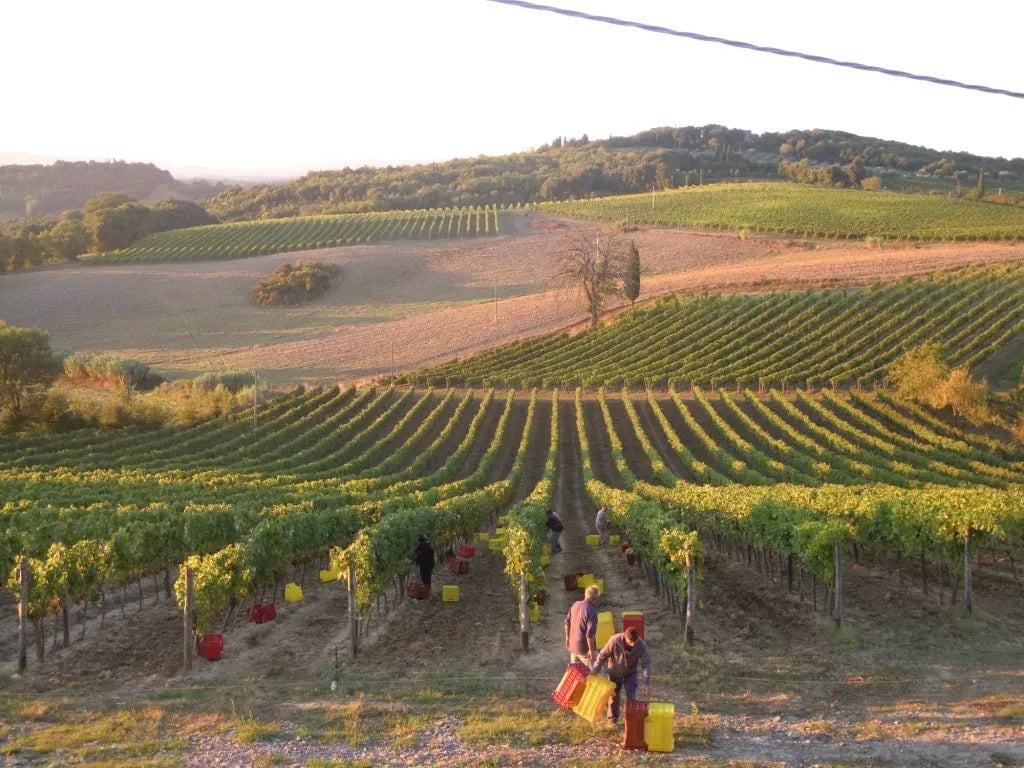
x,y
967,398
918,372
855,172
26,365
69,237
631,277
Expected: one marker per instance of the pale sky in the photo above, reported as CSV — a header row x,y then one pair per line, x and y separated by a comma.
x,y
274,86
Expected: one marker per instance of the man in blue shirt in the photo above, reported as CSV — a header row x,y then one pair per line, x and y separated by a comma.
x,y
624,653
581,628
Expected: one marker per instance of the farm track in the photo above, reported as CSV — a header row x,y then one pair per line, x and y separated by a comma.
x,y
660,441
600,447
684,434
636,458
506,456
431,435
482,439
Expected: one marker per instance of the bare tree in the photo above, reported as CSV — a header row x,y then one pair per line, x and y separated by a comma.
x,y
594,264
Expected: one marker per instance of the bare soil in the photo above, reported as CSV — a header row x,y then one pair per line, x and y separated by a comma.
x,y
401,306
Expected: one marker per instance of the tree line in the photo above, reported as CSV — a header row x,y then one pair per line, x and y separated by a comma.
x,y
575,168
564,169
107,222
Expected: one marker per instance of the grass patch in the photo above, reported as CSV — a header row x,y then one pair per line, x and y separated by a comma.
x,y
519,723
359,722
133,727
691,730
876,730
1001,706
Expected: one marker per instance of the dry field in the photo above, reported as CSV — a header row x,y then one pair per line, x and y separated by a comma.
x,y
409,304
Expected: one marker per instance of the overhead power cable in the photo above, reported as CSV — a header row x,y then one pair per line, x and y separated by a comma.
x,y
759,48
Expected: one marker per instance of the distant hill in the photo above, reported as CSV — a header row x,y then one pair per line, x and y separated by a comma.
x,y
38,189
580,168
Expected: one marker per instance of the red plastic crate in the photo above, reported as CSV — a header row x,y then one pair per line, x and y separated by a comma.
x,y
631,558
624,545
569,691
570,581
467,551
634,621
458,565
211,646
418,591
633,737
541,597
261,612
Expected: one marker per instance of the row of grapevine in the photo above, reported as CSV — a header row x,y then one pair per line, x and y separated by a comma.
x,y
358,473
811,338
258,238
807,211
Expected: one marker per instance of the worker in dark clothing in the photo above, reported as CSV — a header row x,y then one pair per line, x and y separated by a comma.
x,y
423,556
624,653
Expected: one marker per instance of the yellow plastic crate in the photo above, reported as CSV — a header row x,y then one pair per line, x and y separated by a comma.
x,y
584,581
545,559
292,593
499,532
483,536
593,704
534,612
546,549
450,593
613,539
605,627
599,583
593,539
502,519
326,576
496,545
541,579
658,727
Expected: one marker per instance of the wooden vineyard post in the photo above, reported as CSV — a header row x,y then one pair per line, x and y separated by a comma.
x,y
837,557
188,633
691,598
22,615
353,624
968,556
524,613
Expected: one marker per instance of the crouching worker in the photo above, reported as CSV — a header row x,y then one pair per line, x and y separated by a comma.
x,y
625,654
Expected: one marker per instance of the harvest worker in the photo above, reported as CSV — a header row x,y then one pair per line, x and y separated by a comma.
x,y
554,525
624,652
601,524
581,628
423,556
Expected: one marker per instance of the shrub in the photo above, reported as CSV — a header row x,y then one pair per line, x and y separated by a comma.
x,y
109,370
292,284
233,381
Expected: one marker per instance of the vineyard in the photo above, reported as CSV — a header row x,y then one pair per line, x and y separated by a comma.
x,y
348,479
804,211
257,238
810,338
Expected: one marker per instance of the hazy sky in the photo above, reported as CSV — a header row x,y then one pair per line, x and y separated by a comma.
x,y
302,85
